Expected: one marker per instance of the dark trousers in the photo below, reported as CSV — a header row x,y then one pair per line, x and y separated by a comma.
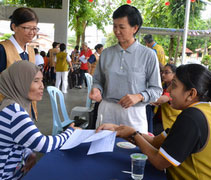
x,y
53,75
150,114
82,77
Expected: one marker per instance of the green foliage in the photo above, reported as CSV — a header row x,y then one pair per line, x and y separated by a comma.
x,y
57,4
206,60
110,40
71,41
83,14
5,37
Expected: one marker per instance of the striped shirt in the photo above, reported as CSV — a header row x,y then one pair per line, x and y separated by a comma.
x,y
18,136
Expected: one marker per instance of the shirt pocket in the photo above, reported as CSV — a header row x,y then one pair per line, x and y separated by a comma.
x,y
137,76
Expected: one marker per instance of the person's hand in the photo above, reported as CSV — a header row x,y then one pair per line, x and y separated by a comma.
x,y
71,69
124,131
72,125
111,127
163,99
30,162
155,104
130,99
95,95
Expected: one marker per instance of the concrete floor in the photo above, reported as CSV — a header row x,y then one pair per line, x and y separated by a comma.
x,y
74,97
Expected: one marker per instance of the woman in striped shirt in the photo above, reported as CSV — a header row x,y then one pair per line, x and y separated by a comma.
x,y
20,84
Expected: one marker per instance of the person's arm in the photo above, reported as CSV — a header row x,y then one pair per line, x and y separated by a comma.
x,y
130,100
154,88
99,76
69,61
29,135
163,99
148,145
3,59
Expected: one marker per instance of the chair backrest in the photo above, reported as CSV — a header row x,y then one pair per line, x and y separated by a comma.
x,y
89,81
57,123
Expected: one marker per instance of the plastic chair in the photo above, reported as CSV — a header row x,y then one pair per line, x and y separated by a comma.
x,y
58,125
84,112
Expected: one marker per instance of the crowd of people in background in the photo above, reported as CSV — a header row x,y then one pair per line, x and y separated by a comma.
x,y
132,85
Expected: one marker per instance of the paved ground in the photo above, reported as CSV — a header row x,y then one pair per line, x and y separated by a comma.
x,y
74,97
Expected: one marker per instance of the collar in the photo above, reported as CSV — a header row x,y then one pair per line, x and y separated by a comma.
x,y
154,45
17,46
130,49
198,102
97,54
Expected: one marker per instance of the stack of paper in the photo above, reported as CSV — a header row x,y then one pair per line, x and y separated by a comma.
x,y
102,141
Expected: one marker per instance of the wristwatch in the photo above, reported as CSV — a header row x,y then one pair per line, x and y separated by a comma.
x,y
132,137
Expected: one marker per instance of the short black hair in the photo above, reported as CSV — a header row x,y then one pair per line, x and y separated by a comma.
x,y
172,67
132,13
55,44
198,77
62,47
148,38
77,47
36,51
22,15
42,53
98,46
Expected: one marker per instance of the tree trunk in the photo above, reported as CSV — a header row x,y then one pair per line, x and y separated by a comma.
x,y
84,31
171,47
177,49
78,38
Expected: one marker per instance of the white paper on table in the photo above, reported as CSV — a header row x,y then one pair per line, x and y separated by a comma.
x,y
103,141
105,144
83,59
77,138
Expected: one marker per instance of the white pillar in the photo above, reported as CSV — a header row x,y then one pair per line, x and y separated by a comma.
x,y
61,24
187,14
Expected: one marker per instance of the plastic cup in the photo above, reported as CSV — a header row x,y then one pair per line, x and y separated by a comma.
x,y
138,162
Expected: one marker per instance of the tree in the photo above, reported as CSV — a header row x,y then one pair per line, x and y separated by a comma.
x,y
157,14
83,14
37,4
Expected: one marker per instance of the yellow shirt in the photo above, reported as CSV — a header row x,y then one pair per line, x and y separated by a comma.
x,y
160,53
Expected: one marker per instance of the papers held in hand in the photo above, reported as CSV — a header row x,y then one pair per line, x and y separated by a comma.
x,y
102,141
83,59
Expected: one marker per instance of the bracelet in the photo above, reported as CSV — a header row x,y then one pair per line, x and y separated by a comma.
x,y
132,137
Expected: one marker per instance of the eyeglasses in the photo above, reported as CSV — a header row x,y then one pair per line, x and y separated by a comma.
x,y
166,72
29,29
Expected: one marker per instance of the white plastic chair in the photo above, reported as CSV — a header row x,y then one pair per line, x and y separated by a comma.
x,y
83,112
58,125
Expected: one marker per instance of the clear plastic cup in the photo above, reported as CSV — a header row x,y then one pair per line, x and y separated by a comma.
x,y
138,161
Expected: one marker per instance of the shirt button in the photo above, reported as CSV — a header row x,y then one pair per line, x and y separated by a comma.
x,y
121,67
123,51
122,59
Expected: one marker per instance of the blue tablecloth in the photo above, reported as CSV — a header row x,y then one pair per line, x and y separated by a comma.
x,y
75,164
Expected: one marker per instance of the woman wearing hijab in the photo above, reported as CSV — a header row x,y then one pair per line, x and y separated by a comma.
x,y
18,133
24,24
184,150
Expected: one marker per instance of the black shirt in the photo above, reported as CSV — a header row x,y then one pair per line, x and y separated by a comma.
x,y
188,135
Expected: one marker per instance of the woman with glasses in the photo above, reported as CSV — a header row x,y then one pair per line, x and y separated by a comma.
x,y
24,24
165,115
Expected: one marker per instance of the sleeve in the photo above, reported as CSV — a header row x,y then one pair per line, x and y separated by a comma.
x,y
3,59
92,59
24,132
99,76
154,88
68,58
188,135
